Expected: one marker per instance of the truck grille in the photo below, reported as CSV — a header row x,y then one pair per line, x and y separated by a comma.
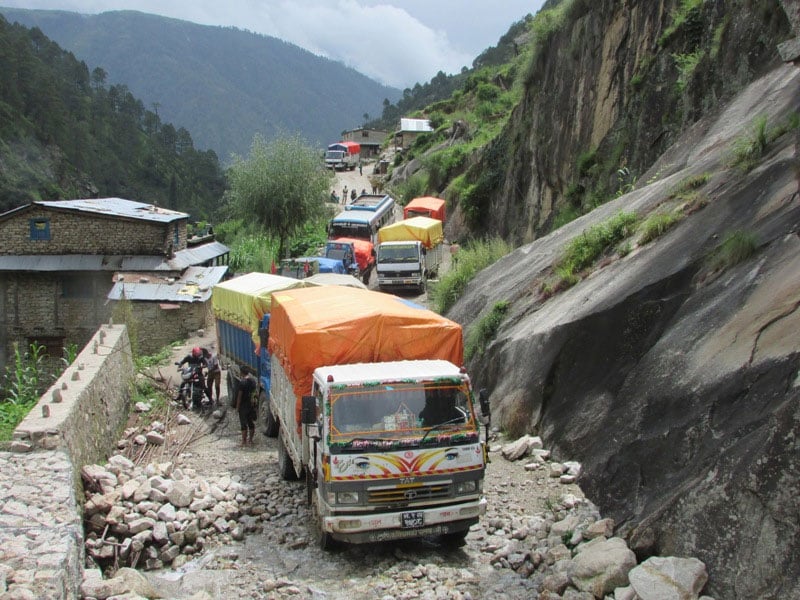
x,y
404,495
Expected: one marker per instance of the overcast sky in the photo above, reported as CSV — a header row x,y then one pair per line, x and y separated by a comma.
x,y
396,42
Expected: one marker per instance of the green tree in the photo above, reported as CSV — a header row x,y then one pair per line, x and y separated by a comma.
x,y
280,186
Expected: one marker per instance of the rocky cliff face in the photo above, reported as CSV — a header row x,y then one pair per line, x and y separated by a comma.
x,y
671,373
612,88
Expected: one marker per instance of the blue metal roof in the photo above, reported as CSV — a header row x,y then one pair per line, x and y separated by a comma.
x,y
194,285
196,255
117,207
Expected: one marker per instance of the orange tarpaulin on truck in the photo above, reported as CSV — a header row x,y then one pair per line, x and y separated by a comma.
x,y
323,326
425,206
363,250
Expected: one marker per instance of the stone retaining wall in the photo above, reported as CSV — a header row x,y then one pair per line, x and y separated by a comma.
x,y
76,422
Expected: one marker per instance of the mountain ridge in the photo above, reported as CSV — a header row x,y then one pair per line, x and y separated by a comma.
x,y
226,73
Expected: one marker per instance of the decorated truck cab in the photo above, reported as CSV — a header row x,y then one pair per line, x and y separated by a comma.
x,y
374,415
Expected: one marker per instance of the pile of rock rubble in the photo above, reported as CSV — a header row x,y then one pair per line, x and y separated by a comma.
x,y
155,516
161,515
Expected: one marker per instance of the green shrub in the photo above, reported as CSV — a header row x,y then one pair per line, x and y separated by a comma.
x,y
737,247
586,160
470,259
656,225
686,64
23,384
487,92
689,184
565,215
747,150
485,330
583,250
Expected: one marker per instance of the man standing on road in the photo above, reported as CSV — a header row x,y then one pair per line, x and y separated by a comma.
x,y
245,406
213,376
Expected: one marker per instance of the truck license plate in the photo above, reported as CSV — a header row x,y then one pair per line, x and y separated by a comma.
x,y
411,520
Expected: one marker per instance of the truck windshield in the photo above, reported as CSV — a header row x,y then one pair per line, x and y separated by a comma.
x,y
402,411
334,154
398,254
350,229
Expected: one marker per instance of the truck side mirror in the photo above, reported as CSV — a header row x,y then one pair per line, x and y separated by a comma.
x,y
483,398
308,411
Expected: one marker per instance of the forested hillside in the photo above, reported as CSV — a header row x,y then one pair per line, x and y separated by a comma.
x,y
222,84
65,134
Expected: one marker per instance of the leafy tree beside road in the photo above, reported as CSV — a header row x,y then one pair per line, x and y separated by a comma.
x,y
280,187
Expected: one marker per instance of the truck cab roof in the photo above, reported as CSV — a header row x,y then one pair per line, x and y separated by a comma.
x,y
394,371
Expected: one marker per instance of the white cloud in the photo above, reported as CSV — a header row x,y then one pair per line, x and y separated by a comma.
x,y
396,42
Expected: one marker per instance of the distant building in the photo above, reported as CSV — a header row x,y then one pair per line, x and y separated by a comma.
x,y
371,140
410,129
58,260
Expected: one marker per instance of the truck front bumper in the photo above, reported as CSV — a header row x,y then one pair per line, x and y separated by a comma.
x,y
399,281
382,527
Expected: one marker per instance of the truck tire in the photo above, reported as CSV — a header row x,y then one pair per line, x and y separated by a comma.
x,y
322,538
268,421
455,539
285,465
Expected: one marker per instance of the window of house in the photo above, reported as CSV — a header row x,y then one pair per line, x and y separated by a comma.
x,y
77,286
365,133
51,345
40,229
177,237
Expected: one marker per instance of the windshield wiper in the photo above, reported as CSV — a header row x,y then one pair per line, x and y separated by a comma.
x,y
454,421
350,442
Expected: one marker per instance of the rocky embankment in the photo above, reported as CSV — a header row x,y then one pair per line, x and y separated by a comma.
x,y
194,529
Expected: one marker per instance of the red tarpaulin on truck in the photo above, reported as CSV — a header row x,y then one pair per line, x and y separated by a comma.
x,y
322,326
425,206
349,147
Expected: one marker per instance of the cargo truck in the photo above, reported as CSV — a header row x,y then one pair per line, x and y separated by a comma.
x,y
425,206
241,309
357,256
409,252
343,155
375,410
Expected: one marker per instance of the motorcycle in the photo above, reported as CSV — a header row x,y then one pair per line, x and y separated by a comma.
x,y
192,391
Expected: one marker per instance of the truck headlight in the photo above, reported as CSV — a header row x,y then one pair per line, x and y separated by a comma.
x,y
467,487
346,497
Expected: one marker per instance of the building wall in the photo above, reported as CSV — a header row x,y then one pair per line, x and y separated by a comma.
x,y
59,308
365,136
73,232
155,327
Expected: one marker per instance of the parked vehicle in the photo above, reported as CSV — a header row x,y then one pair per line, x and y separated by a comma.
x,y
191,393
425,206
241,307
363,218
308,266
373,408
409,252
356,255
343,156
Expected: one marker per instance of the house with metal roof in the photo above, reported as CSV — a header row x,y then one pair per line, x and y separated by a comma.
x,y
58,260
410,130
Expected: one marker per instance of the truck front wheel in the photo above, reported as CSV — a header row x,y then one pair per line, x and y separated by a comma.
x,y
268,420
324,539
285,466
455,539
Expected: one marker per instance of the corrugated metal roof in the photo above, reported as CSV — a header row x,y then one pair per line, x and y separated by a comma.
x,y
197,255
96,262
117,207
415,125
193,286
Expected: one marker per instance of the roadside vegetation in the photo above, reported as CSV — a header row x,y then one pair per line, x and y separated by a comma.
x,y
748,149
483,331
470,259
737,247
25,380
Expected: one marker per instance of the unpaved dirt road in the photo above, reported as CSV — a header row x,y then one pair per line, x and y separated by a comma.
x,y
503,556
